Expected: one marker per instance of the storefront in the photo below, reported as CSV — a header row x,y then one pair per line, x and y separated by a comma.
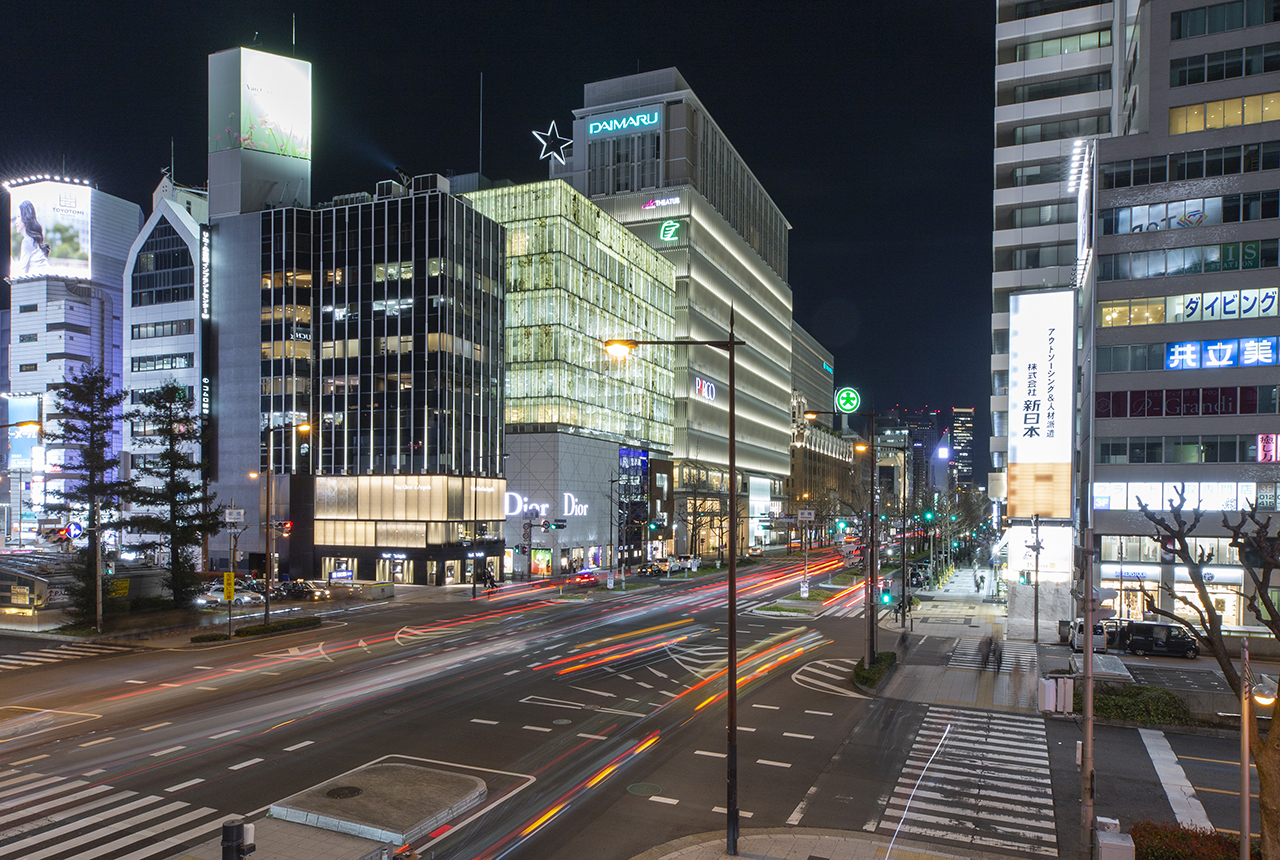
x,y
1138,582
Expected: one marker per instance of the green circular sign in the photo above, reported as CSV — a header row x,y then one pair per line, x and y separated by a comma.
x,y
848,400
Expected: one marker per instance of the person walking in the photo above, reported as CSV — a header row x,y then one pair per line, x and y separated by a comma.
x,y
997,651
984,650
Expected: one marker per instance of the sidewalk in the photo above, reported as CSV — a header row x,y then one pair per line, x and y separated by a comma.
x,y
803,843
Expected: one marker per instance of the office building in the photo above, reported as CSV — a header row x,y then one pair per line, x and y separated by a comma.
x,y
70,242
647,151
962,444
587,435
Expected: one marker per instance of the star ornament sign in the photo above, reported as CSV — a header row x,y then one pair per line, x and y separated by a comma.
x,y
553,145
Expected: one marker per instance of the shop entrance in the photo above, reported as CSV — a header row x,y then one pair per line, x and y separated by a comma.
x,y
395,570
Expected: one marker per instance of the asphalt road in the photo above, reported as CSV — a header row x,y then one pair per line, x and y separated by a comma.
x,y
578,715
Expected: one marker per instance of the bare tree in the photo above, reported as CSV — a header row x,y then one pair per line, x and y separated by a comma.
x,y
1258,550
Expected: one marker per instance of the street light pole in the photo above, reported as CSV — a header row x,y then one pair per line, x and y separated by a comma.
x,y
271,471
1245,800
619,348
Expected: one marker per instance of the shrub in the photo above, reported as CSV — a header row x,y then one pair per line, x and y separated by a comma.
x,y
210,637
279,626
1137,702
1168,840
873,676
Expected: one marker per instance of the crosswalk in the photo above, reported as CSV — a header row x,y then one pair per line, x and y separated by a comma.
x,y
968,655
46,656
55,818
987,788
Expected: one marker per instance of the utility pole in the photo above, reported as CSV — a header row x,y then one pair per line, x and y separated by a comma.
x,y
1086,744
1035,546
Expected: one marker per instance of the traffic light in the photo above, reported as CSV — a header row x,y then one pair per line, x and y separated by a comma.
x,y
285,527
653,527
559,524
886,597
928,516
1101,596
842,525
1022,578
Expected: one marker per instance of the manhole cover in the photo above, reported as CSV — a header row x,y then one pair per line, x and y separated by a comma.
x,y
343,792
644,789
561,722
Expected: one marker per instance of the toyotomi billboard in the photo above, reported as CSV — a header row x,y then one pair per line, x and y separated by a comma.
x,y
1041,403
49,230
262,102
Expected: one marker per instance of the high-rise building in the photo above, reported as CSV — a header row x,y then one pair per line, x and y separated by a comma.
x,y
1057,64
585,433
962,444
70,242
646,150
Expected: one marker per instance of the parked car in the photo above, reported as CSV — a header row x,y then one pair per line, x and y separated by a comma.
x,y
650,568
1152,637
302,590
1077,637
676,564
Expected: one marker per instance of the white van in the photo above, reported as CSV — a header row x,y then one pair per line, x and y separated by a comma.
x,y
1099,637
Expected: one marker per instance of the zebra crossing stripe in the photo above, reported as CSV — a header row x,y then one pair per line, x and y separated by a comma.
x,y
987,786
56,802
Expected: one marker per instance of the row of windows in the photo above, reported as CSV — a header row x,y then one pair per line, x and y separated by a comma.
x,y
1039,216
1221,65
1180,214
1180,402
1206,259
1194,164
1224,113
1118,450
1058,46
1036,8
1190,307
1060,130
1205,495
1221,18
1058,88
1038,174
350,348
175,361
169,328
163,296
1188,355
1044,255
135,396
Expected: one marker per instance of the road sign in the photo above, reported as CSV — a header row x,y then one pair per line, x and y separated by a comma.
x,y
848,400
74,530
805,515
233,515
229,586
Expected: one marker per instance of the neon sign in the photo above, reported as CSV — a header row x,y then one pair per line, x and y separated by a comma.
x,y
655,202
704,388
1204,354
828,368
640,120
206,281
553,145
669,231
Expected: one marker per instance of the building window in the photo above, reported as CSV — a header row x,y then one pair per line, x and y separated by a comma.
x,y
169,328
1248,110
1221,18
1059,88
1060,130
1063,45
175,361
28,338
1181,402
27,368
1206,259
28,309
164,271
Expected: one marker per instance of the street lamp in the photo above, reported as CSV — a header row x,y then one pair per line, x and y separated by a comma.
x,y
620,348
1264,694
271,470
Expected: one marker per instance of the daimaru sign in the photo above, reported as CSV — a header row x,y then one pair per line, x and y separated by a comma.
x,y
625,122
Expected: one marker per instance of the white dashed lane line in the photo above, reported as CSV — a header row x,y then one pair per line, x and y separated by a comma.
x,y
536,729
797,735
593,737
183,785
768,707
658,798
224,734
166,752
723,811
485,722
745,729
135,682
298,746
251,762
711,754
820,713
156,726
98,741
772,763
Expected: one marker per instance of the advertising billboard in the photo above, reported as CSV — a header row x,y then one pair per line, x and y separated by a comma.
x,y
262,102
1041,403
49,230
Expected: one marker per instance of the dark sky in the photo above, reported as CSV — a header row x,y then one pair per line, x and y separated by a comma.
x,y
868,123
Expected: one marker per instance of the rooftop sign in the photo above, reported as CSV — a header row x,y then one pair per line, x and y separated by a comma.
x,y
631,121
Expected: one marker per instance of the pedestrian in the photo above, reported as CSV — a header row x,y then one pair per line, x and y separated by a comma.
x,y
997,651
1015,678
984,650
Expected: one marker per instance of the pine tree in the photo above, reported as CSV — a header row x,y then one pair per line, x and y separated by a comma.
x,y
87,410
175,503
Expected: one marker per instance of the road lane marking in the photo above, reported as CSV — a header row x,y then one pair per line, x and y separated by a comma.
x,y
271,673
156,726
95,772
1177,788
1219,790
183,785
658,798
485,722
29,760
596,692
135,682
798,812
711,754
626,677
767,707
772,763
656,672
646,686
536,729
210,689
593,737
166,752
98,741
745,729
250,763
820,713
797,735
668,694
170,685
1215,760
298,746
224,734
512,672
201,667
723,811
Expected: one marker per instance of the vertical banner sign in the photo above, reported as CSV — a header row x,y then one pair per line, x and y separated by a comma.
x,y
1041,403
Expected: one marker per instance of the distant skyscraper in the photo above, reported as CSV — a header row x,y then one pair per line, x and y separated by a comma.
x,y
962,443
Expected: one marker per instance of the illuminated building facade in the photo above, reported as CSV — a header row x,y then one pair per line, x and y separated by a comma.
x,y
646,151
67,272
962,444
586,434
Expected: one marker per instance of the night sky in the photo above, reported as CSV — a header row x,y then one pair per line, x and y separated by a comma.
x,y
868,123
